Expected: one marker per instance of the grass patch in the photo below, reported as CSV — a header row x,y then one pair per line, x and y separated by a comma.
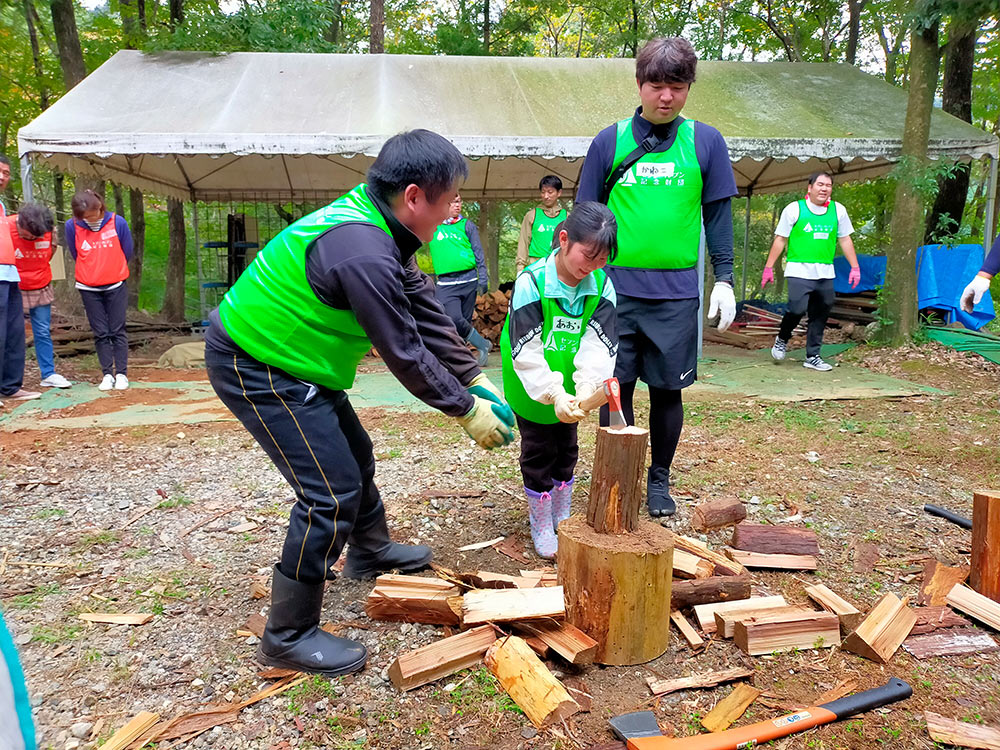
x,y
96,539
32,600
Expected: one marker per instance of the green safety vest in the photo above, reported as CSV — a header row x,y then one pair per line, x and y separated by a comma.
x,y
813,238
451,249
542,229
657,203
561,336
273,314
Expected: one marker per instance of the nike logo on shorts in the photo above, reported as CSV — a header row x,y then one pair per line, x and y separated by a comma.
x,y
685,374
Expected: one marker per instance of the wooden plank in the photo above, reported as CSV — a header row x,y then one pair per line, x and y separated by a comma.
x,y
511,605
725,622
769,633
829,600
703,680
522,674
109,618
883,630
723,565
730,708
441,658
930,619
717,589
705,613
938,581
687,630
687,565
405,598
953,642
950,732
567,640
723,511
985,574
129,733
773,561
975,605
772,540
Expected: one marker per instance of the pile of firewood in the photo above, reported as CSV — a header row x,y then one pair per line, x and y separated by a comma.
x,y
491,311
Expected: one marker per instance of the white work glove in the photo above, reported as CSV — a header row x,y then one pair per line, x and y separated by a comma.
x,y
722,303
974,292
567,409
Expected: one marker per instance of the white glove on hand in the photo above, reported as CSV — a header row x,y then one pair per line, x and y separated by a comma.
x,y
974,292
567,409
722,303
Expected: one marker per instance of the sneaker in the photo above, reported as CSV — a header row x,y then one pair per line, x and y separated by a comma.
x,y
816,363
55,380
121,382
107,384
23,395
779,349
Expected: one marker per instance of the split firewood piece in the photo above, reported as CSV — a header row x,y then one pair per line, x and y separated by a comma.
x,y
829,600
405,598
522,674
975,605
773,561
567,640
838,691
775,540
985,574
959,733
784,632
129,733
725,622
723,565
954,642
723,511
441,658
883,630
110,618
485,579
717,589
687,630
511,605
704,680
705,613
541,577
930,619
617,484
539,646
730,708
938,581
687,565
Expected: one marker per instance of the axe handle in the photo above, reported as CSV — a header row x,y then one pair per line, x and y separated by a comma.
x,y
594,400
764,731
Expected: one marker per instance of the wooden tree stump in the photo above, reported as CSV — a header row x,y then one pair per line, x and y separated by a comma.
x,y
616,487
985,574
617,588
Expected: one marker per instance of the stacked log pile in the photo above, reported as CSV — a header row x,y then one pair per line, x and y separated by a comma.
x,y
491,311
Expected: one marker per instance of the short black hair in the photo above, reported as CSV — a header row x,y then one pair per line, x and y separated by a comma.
x,y
84,201
416,157
550,180
593,224
35,219
4,160
816,175
669,59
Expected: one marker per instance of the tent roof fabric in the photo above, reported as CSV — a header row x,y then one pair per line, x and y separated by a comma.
x,y
203,126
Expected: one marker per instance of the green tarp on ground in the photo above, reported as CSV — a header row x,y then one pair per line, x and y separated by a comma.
x,y
984,344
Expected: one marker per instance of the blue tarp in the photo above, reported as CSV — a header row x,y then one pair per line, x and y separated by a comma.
x,y
942,274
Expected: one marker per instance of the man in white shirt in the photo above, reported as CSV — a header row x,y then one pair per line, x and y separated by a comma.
x,y
810,229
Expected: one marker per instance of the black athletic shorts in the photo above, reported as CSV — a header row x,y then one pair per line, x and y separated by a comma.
x,y
658,341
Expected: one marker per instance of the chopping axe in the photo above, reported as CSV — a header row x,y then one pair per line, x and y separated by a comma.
x,y
640,731
610,394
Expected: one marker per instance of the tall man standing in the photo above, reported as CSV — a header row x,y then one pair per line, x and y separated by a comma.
x,y
811,231
661,193
283,348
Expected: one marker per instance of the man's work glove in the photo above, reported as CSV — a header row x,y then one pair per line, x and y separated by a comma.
x,y
722,303
974,292
488,424
567,409
767,277
483,387
854,277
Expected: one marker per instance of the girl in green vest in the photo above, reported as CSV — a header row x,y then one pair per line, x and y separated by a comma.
x,y
559,345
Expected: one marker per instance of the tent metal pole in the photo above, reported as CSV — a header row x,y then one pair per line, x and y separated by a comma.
x,y
701,289
27,179
197,254
746,244
991,204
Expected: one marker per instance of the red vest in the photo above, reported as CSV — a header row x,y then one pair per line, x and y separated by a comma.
x,y
6,243
31,258
100,259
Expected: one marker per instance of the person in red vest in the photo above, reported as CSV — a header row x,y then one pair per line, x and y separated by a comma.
x,y
31,233
101,244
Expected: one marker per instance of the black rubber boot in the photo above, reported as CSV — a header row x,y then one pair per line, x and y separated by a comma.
x,y
658,492
483,346
292,638
371,552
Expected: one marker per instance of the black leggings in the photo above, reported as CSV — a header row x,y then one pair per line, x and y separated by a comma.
x,y
666,418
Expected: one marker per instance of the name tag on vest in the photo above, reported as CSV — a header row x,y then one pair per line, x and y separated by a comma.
x,y
42,245
821,235
108,234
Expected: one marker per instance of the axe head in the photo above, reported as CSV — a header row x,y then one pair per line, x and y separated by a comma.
x,y
636,724
616,420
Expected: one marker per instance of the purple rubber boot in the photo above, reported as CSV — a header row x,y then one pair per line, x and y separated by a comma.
x,y
562,499
540,514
